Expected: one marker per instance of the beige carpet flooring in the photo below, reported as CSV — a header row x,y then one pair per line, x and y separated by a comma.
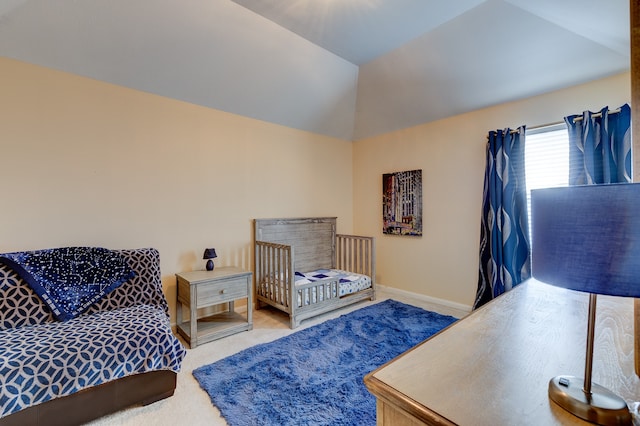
x,y
191,406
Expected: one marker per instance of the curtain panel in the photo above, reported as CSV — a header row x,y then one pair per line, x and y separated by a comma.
x,y
504,230
600,147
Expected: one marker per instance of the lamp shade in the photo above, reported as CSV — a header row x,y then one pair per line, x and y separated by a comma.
x,y
587,238
209,253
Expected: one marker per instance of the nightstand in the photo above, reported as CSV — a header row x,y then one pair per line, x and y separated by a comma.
x,y
202,289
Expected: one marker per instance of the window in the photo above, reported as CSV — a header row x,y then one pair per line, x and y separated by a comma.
x,y
546,156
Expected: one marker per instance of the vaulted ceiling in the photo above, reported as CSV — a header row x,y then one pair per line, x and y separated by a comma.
x,y
349,69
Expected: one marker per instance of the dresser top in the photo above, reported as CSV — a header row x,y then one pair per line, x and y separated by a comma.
x,y
194,277
493,367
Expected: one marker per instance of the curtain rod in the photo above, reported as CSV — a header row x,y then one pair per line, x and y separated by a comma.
x,y
541,126
595,115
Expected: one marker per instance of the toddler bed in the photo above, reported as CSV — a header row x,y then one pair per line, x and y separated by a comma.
x,y
302,267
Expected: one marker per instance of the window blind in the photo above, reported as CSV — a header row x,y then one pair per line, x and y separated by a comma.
x,y
546,160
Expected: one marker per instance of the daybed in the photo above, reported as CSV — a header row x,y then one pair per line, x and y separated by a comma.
x,y
305,269
118,352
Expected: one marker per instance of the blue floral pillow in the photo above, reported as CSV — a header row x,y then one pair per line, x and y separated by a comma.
x,y
70,279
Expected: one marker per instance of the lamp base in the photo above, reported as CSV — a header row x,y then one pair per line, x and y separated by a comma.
x,y
602,406
209,265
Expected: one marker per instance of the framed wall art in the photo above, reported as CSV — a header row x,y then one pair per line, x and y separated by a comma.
x,y
402,203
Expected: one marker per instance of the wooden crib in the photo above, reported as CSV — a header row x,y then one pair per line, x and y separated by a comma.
x,y
286,246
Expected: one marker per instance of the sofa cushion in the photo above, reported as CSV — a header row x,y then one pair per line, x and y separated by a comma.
x,y
143,289
46,361
20,306
70,279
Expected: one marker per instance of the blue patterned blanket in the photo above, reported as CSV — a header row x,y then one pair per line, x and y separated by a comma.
x,y
70,279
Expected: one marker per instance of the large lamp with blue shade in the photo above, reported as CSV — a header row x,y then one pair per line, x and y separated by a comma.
x,y
587,238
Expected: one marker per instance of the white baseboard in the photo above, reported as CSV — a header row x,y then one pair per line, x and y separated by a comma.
x,y
457,309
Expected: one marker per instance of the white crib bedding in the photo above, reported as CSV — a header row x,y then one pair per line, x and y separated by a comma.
x,y
348,283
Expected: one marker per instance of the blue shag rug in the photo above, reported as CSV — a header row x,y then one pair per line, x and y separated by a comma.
x,y
315,376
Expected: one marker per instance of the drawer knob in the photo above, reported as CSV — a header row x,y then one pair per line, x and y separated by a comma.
x,y
223,291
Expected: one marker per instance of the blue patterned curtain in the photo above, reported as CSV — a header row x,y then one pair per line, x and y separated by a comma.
x,y
600,147
504,245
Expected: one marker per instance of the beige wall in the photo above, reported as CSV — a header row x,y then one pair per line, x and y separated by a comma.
x,y
88,163
443,263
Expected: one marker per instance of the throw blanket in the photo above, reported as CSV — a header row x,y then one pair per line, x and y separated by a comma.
x,y
70,279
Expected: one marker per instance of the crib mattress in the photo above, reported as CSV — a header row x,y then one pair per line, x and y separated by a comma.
x,y
349,282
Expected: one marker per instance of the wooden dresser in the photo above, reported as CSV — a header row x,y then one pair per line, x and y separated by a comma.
x,y
493,366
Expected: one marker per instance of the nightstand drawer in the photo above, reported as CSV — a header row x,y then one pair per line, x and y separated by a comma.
x,y
221,291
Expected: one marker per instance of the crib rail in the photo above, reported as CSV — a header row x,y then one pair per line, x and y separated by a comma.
x,y
356,254
313,298
274,274
317,291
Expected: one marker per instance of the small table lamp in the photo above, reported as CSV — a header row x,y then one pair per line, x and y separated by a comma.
x,y
210,253
587,238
